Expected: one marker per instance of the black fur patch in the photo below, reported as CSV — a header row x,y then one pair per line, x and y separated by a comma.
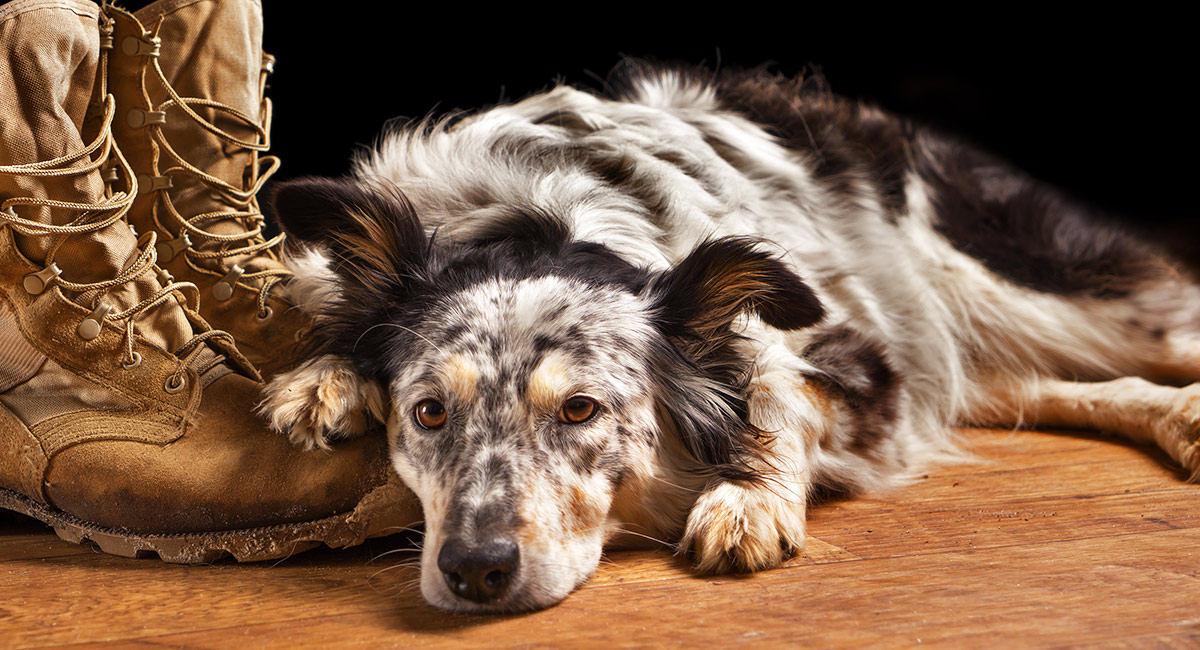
x,y
857,368
844,141
524,245
1026,231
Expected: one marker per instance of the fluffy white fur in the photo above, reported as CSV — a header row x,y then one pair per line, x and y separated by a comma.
x,y
965,344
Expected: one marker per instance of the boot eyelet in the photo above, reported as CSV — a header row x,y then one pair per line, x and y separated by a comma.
x,y
265,314
175,384
148,183
134,46
223,289
35,283
169,250
133,362
91,327
138,118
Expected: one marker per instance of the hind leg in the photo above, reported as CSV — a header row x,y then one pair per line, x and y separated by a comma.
x,y
1138,409
1179,361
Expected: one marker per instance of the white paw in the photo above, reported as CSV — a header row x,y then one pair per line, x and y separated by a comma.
x,y
320,400
1186,423
739,527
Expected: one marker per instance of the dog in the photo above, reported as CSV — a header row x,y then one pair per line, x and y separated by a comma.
x,y
680,311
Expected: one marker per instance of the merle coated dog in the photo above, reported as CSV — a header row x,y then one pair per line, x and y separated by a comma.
x,y
677,311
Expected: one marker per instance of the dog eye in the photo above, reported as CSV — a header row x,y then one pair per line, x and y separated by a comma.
x,y
430,414
577,410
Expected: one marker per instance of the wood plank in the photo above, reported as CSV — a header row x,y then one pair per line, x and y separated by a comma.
x,y
23,538
1063,540
1031,596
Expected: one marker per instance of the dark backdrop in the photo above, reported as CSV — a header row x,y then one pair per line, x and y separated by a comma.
x,y
1091,102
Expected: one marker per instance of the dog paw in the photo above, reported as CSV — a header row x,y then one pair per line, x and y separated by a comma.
x,y
1186,422
322,399
735,527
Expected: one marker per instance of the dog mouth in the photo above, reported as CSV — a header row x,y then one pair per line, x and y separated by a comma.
x,y
504,575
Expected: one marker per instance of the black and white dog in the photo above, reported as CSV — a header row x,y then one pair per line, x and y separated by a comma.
x,y
678,311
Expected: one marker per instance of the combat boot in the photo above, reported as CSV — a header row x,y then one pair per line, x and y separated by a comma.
x,y
189,79
124,418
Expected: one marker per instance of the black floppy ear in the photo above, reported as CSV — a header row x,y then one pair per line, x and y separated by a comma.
x,y
703,376
371,230
721,279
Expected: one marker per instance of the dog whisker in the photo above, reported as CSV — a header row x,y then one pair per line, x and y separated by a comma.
x,y
625,531
402,565
393,552
674,485
583,350
399,327
412,528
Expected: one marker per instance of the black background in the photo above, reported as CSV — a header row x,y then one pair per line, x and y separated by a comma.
x,y
1092,102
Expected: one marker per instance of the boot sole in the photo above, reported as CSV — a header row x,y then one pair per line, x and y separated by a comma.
x,y
375,515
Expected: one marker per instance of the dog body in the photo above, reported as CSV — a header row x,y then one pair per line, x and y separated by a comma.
x,y
676,313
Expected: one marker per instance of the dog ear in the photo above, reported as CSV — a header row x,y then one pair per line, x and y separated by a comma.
x,y
703,377
371,231
721,279
379,262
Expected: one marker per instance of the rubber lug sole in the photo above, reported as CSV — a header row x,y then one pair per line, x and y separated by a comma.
x,y
386,510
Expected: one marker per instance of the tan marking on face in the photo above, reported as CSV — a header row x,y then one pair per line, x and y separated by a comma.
x,y
461,375
584,510
549,383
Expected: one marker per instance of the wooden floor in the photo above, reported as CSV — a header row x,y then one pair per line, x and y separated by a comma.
x,y
1061,541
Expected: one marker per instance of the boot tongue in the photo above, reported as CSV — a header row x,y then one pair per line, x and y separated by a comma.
x,y
48,62
212,51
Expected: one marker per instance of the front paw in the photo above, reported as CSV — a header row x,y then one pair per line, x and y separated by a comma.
x,y
320,400
739,527
1186,435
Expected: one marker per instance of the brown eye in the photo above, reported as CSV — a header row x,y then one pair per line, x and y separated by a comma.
x,y
577,410
430,414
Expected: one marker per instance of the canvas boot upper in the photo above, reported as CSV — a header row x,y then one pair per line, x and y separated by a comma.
x,y
189,77
120,409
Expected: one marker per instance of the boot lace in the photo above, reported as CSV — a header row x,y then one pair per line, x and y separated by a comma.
x,y
98,216
251,241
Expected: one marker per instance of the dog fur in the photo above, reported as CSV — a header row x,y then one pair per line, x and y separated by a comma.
x,y
752,289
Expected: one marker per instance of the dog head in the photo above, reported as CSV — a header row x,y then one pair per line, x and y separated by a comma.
x,y
538,384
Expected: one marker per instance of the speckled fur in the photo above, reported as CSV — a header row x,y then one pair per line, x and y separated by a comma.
x,y
568,244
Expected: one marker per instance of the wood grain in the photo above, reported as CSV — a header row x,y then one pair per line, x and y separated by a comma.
x,y
1055,540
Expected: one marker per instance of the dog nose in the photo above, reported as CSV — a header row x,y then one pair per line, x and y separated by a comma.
x,y
479,573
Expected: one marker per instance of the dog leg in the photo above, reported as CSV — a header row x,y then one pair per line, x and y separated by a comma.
x,y
1181,360
1138,409
320,400
755,525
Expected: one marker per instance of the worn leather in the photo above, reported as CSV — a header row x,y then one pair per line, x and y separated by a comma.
x,y
225,473
84,431
210,49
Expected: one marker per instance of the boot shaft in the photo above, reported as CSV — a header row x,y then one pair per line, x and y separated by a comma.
x,y
49,57
64,189
189,78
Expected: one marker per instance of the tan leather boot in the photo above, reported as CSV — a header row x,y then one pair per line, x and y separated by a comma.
x,y
189,79
124,418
